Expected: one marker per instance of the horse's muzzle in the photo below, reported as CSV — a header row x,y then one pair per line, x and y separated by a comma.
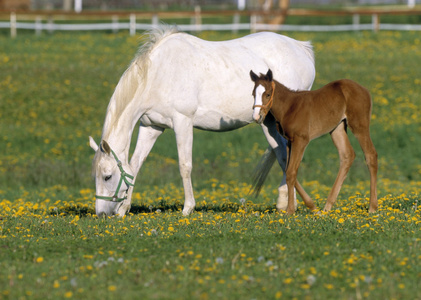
x,y
105,208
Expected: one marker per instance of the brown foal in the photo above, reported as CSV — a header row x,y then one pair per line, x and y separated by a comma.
x,y
305,115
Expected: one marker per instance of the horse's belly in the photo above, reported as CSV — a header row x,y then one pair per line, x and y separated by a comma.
x,y
222,113
213,121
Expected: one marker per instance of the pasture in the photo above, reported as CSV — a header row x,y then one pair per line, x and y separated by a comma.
x,y
54,90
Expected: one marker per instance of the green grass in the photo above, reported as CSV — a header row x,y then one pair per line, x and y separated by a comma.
x,y
54,90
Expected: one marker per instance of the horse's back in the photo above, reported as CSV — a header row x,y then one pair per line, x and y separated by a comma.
x,y
208,81
291,61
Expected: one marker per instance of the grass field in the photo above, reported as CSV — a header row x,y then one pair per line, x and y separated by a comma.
x,y
54,90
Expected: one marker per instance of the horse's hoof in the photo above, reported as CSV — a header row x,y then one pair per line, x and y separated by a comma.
x,y
187,210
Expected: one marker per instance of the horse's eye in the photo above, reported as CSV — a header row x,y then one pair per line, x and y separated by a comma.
x,y
267,95
107,178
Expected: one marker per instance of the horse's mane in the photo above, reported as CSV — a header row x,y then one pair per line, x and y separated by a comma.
x,y
135,76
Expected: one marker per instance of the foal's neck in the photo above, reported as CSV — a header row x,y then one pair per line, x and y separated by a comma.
x,y
282,88
283,97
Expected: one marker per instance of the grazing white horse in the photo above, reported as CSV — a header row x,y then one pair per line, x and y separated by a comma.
x,y
181,82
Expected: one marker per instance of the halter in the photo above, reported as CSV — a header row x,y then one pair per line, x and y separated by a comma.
x,y
268,105
123,177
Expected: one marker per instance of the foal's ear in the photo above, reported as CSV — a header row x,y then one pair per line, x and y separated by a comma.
x,y
269,75
253,76
105,148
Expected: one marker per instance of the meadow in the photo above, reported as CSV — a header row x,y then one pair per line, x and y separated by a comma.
x,y
54,90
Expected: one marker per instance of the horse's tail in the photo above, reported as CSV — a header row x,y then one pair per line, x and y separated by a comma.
x,y
308,49
262,169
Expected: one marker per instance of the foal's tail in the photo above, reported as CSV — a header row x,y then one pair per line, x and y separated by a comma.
x,y
262,170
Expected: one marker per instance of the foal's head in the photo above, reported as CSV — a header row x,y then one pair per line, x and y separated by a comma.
x,y
263,91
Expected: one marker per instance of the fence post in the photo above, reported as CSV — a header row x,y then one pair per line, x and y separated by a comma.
x,y
13,25
253,23
132,24
236,23
50,24
115,24
376,22
356,21
38,25
155,20
197,18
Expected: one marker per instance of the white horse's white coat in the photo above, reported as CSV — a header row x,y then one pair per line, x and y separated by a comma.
x,y
182,82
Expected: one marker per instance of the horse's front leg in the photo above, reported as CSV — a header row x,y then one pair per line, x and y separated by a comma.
x,y
183,127
146,139
278,144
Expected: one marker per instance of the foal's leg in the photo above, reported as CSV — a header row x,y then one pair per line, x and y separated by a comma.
x,y
370,154
296,155
346,157
278,144
306,198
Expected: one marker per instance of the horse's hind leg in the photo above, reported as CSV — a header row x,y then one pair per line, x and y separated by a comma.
x,y
346,157
370,154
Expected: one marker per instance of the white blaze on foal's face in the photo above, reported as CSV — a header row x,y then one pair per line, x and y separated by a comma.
x,y
260,90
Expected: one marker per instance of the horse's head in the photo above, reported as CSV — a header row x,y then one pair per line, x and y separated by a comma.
x,y
263,91
112,180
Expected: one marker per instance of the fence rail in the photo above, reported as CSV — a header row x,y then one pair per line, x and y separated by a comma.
x,y
45,20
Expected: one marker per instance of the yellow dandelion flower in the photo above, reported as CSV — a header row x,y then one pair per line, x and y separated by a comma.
x,y
333,273
112,288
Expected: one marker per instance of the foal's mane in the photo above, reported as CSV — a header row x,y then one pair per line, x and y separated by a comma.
x,y
135,76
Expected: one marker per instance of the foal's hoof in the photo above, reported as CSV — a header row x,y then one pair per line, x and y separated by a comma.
x,y
187,210
290,212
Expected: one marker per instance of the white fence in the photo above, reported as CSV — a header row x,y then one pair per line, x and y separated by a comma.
x,y
46,23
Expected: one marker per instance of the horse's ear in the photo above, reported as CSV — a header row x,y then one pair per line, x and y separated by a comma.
x,y
253,76
269,75
105,148
93,144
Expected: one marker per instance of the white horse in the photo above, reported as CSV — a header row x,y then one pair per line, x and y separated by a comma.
x,y
181,82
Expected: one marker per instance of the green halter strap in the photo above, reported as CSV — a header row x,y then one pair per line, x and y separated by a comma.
x,y
123,177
